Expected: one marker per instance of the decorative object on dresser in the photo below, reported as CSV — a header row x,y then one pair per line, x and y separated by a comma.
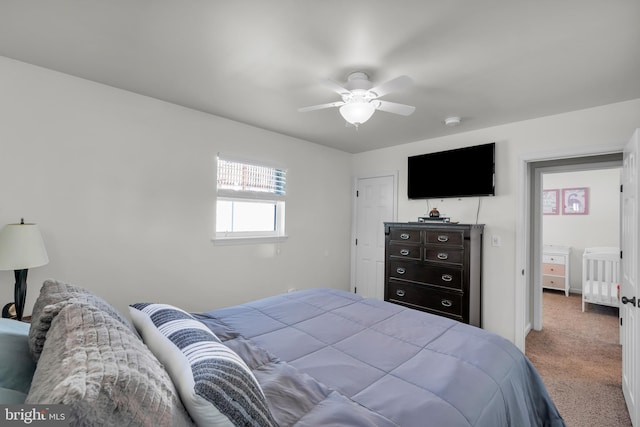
x,y
435,267
434,219
21,248
555,268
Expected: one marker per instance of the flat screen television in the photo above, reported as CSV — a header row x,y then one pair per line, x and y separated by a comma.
x,y
463,172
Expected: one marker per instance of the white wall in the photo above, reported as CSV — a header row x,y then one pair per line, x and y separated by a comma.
x,y
610,125
123,188
600,227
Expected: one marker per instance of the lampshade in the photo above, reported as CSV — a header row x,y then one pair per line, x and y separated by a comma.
x,y
21,247
357,113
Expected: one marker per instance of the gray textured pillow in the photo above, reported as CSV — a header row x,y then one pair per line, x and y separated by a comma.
x,y
104,373
54,295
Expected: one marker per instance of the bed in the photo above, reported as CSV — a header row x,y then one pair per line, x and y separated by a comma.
x,y
318,357
600,276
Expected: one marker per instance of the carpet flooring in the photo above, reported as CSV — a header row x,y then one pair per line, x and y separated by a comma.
x,y
580,360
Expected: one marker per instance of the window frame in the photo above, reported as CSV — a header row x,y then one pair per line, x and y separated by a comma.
x,y
278,199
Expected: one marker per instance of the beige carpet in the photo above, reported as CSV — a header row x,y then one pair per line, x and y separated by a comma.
x,y
580,361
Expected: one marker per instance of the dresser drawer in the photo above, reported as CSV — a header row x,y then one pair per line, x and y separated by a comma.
x,y
405,250
440,302
553,269
553,259
447,277
405,235
553,282
444,255
442,237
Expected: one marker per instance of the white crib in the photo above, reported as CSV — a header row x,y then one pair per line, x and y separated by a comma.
x,y
600,276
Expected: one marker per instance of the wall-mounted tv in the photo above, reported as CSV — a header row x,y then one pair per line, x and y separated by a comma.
x,y
463,172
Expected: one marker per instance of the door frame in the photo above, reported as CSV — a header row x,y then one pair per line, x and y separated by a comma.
x,y
577,164
354,215
528,223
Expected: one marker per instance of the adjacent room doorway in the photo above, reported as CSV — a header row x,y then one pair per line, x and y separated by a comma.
x,y
528,290
567,167
527,294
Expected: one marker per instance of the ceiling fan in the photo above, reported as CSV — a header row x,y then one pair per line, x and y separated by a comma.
x,y
360,97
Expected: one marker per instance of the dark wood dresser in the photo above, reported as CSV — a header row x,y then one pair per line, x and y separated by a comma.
x,y
435,267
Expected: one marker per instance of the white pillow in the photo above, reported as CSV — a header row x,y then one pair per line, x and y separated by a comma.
x,y
215,384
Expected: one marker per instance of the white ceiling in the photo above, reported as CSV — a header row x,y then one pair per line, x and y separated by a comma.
x,y
257,62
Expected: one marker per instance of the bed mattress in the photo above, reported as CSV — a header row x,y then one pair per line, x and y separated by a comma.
x,y
329,357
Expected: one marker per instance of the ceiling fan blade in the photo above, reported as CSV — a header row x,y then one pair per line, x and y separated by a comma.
x,y
395,108
394,85
321,106
335,87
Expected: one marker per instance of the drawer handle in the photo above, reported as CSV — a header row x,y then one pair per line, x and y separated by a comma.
x,y
405,236
404,252
443,255
447,277
443,238
400,270
446,303
400,292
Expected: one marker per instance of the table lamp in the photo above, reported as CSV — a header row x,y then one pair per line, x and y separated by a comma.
x,y
21,248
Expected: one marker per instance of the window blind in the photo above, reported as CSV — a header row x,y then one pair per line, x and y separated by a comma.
x,y
247,180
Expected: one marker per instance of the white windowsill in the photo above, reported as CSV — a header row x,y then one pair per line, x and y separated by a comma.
x,y
224,241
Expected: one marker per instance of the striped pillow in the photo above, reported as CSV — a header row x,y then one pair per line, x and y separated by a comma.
x,y
214,383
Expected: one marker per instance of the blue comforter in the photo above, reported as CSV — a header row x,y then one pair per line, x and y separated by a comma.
x,y
325,357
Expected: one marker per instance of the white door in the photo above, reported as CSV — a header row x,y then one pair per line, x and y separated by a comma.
x,y
629,291
375,204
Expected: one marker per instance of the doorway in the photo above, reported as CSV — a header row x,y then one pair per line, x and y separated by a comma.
x,y
568,229
528,237
578,354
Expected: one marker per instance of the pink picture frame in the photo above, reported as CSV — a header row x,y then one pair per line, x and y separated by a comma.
x,y
550,205
575,201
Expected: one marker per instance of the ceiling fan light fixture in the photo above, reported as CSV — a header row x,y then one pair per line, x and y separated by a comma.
x,y
360,99
357,113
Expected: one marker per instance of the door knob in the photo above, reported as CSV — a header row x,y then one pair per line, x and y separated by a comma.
x,y
626,300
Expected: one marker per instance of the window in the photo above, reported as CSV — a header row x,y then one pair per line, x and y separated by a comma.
x,y
251,200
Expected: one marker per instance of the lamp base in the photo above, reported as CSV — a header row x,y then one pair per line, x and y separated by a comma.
x,y
20,291
9,311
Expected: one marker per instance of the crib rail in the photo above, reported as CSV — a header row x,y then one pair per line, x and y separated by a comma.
x,y
600,276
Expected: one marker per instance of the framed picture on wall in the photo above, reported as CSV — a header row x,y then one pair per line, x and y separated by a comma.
x,y
575,201
550,202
